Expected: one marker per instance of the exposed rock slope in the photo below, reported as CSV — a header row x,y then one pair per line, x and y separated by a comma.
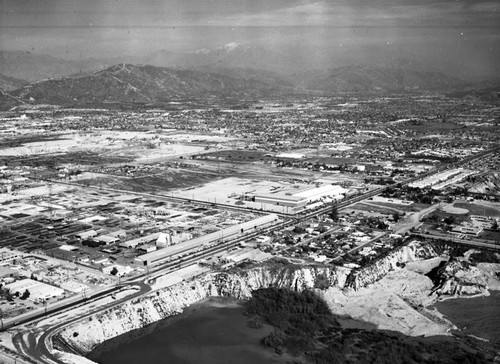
x,y
87,334
383,293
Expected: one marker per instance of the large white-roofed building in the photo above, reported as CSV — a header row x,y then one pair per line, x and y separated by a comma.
x,y
281,200
333,191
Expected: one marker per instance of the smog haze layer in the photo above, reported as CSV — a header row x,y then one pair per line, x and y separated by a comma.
x,y
322,34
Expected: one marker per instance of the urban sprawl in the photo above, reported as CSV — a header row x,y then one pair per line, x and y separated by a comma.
x,y
94,201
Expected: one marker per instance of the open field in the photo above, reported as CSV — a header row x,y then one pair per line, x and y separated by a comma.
x,y
236,155
161,183
490,235
482,208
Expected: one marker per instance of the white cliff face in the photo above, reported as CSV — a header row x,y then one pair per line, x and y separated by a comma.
x,y
460,278
372,273
85,335
396,301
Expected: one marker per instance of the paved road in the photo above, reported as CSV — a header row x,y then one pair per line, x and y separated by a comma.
x,y
472,242
416,218
38,347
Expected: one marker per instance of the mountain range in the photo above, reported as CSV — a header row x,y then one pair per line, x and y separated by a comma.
x,y
11,83
235,70
127,83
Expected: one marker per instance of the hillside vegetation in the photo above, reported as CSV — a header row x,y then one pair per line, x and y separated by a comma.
x,y
305,329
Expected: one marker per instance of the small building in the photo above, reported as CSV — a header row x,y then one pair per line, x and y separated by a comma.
x,y
163,240
263,239
7,255
39,291
83,235
147,248
74,286
107,239
141,240
100,260
121,270
470,230
62,213
68,248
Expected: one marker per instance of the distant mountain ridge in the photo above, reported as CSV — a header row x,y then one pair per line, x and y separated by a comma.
x,y
231,70
232,55
127,83
35,67
397,76
11,83
286,61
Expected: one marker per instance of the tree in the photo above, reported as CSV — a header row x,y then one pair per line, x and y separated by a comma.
x,y
334,213
449,220
25,295
299,230
321,282
396,216
114,271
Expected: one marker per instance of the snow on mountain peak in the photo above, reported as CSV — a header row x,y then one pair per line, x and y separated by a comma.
x,y
230,46
199,51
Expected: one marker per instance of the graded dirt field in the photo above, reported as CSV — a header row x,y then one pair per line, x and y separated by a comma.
x,y
455,210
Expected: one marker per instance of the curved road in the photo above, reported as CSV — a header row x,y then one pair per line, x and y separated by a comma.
x,y
37,348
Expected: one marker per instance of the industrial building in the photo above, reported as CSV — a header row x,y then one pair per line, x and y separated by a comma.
x,y
83,235
165,254
315,194
141,240
302,198
107,239
440,180
38,291
281,200
162,239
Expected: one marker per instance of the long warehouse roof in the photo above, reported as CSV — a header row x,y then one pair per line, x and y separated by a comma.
x,y
209,238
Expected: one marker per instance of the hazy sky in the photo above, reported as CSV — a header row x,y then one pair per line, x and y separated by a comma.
x,y
105,28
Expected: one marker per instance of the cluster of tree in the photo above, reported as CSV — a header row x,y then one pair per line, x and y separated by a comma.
x,y
305,328
25,295
334,213
374,223
383,181
6,294
298,317
426,196
363,346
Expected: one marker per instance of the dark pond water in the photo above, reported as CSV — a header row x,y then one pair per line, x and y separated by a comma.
x,y
203,334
